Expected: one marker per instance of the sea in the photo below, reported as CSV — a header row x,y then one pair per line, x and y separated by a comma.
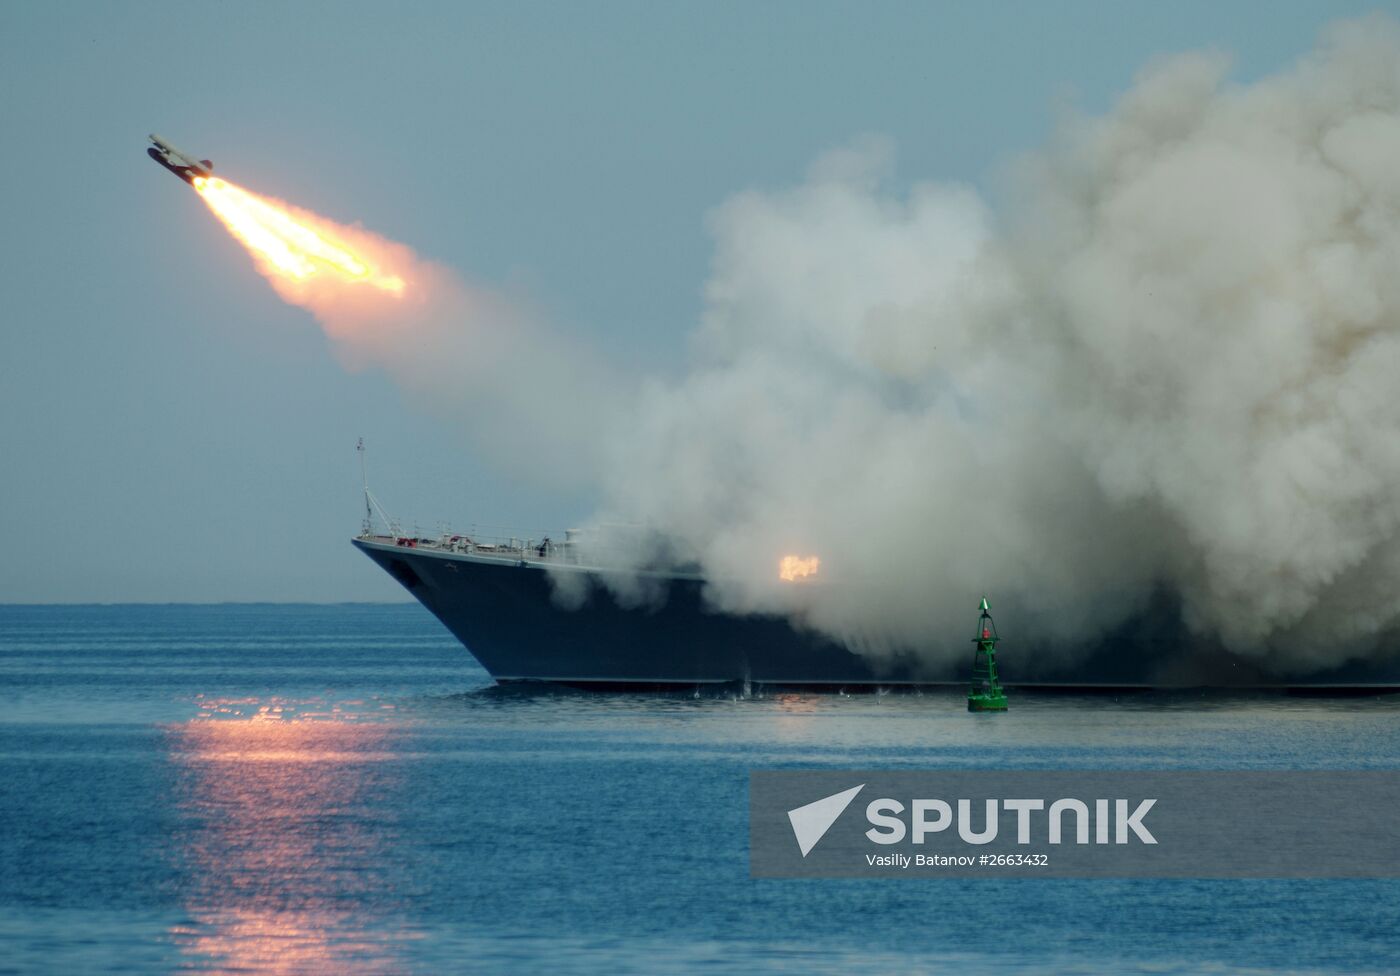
x,y
342,789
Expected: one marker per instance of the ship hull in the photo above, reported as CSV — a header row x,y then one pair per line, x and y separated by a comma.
x,y
505,612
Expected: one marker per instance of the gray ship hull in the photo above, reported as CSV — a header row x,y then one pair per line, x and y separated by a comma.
x,y
504,611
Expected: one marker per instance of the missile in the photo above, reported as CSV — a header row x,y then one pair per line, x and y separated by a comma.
x,y
185,167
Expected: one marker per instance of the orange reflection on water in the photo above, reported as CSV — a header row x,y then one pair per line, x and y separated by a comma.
x,y
791,703
287,832
793,717
283,943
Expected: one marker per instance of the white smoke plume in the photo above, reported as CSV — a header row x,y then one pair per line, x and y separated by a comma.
x,y
1171,362
530,398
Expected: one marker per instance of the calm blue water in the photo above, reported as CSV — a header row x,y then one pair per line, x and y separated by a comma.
x,y
271,789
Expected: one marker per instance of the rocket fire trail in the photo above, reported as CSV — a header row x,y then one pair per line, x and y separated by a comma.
x,y
297,246
291,246
458,347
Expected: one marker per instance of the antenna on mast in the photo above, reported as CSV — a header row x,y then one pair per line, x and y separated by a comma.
x,y
371,503
364,479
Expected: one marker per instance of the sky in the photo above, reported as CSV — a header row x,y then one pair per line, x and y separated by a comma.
x,y
170,430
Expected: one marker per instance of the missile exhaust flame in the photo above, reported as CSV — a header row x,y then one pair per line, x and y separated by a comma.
x,y
457,346
288,244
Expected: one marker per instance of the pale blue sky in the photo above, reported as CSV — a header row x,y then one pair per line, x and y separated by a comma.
x,y
171,430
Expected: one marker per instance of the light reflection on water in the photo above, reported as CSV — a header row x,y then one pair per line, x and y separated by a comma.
x,y
228,788
286,836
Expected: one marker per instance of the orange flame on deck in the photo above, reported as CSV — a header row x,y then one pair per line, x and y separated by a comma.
x,y
797,567
294,245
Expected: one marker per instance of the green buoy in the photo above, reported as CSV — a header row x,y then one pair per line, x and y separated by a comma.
x,y
986,693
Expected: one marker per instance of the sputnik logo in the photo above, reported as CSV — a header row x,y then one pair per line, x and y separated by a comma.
x,y
811,822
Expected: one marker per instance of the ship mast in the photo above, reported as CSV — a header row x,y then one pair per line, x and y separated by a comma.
x,y
371,503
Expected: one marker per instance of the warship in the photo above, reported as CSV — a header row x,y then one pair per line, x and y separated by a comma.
x,y
499,599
